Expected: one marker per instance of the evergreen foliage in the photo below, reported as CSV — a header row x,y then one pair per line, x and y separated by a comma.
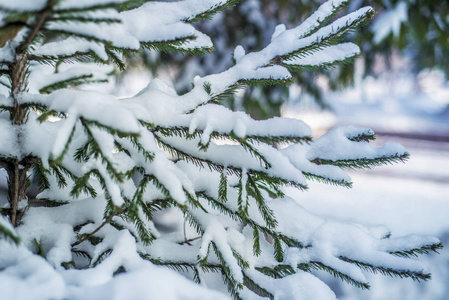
x,y
116,177
415,30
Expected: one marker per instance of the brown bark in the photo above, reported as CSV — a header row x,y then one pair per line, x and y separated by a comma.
x,y
17,170
17,184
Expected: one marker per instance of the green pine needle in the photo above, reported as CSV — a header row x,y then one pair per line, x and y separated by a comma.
x,y
210,12
223,187
318,178
315,265
256,288
102,257
419,251
9,235
415,275
364,163
279,271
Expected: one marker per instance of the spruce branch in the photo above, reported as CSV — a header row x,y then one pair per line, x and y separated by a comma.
x,y
426,249
133,210
83,254
210,12
315,265
256,288
58,160
89,235
213,166
82,185
333,37
230,280
46,202
278,249
318,178
316,20
98,151
242,219
176,45
266,82
364,163
366,136
225,94
102,257
37,27
256,242
319,66
78,56
255,153
41,176
254,139
265,211
223,187
75,81
76,17
415,275
132,214
278,271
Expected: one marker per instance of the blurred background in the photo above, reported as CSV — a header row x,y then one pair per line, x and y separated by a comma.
x,y
398,87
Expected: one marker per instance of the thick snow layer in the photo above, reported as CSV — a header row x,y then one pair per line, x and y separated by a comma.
x,y
10,144
161,21
218,118
43,76
87,104
331,240
335,145
236,156
199,40
167,13
28,276
314,21
327,55
114,33
70,47
299,286
297,155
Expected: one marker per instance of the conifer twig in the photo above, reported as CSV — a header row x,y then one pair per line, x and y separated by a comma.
x,y
97,229
45,13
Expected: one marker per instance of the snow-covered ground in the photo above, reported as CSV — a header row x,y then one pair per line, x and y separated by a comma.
x,y
410,198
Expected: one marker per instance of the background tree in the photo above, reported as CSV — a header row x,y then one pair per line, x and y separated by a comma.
x,y
107,170
416,30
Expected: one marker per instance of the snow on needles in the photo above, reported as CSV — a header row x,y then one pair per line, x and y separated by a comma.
x,y
175,180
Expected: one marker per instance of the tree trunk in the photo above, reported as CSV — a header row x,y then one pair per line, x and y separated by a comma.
x,y
17,172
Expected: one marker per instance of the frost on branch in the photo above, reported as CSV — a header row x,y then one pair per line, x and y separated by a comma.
x,y
129,188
